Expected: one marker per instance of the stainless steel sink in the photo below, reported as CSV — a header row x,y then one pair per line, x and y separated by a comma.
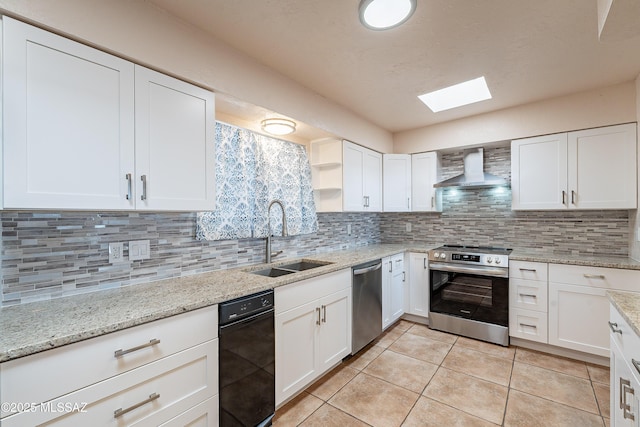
x,y
290,268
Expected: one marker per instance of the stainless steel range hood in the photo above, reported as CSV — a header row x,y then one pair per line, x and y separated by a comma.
x,y
474,175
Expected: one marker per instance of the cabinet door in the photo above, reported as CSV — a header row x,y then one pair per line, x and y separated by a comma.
x,y
352,177
335,329
425,168
68,113
578,318
296,349
539,172
397,182
175,144
624,389
398,280
418,285
372,180
602,168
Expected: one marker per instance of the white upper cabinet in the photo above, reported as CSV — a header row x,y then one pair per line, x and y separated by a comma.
x,y
397,182
87,130
175,142
68,114
362,179
425,168
589,169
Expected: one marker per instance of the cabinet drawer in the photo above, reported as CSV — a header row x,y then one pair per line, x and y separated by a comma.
x,y
528,270
627,340
528,324
528,294
299,293
181,381
205,414
52,373
598,277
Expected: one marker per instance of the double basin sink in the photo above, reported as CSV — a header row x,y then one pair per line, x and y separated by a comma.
x,y
294,267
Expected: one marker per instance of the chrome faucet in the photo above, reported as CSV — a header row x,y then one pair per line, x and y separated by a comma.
x,y
270,255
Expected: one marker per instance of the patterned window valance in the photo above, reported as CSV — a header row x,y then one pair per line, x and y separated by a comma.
x,y
252,170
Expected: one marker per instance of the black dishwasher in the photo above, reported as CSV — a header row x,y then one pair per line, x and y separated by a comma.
x,y
247,361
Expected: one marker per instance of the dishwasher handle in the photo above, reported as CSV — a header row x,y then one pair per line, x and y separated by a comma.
x,y
366,270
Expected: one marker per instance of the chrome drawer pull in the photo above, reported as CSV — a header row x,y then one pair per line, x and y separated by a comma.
x,y
119,412
533,270
636,364
121,352
594,276
614,328
529,295
531,326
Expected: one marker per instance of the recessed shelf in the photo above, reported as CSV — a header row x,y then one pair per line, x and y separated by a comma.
x,y
326,165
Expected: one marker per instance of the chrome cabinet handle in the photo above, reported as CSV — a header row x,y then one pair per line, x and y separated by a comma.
x,y
128,178
529,295
408,203
324,314
530,326
151,343
433,201
424,263
564,197
390,266
533,270
119,412
404,276
636,365
594,276
318,321
143,178
573,197
614,328
625,387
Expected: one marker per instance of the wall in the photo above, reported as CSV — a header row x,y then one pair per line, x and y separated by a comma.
x,y
52,254
599,107
137,30
484,217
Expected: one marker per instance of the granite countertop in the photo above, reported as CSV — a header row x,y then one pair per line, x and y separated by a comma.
x,y
628,304
585,260
38,326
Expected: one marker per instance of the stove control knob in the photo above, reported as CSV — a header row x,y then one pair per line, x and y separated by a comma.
x,y
436,255
498,261
443,255
489,259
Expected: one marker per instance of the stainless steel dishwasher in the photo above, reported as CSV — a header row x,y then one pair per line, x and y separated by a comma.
x,y
367,304
247,361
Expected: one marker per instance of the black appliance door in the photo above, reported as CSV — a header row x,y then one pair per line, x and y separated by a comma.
x,y
247,371
470,296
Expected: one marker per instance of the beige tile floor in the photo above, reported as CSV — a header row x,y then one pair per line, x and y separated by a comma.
x,y
414,376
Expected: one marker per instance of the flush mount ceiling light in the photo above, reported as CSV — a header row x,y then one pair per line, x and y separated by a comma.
x,y
278,126
385,14
457,95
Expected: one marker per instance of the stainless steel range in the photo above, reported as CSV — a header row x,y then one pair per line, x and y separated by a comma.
x,y
469,292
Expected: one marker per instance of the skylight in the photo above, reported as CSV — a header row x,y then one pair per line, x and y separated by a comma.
x,y
457,95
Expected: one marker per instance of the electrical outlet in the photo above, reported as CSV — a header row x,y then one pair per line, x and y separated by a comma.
x,y
349,229
408,227
116,252
139,249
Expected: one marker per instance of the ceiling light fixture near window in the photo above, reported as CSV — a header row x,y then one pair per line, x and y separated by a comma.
x,y
457,95
385,14
278,126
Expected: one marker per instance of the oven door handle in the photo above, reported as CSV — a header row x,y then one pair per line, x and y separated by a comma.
x,y
481,271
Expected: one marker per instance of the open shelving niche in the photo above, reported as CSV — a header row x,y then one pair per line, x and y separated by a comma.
x,y
325,156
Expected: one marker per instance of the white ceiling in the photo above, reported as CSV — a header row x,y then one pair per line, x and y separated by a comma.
x,y
527,50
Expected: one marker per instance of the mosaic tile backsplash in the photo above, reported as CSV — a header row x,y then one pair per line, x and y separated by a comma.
x,y
52,254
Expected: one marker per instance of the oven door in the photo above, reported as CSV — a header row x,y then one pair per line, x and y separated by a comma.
x,y
470,293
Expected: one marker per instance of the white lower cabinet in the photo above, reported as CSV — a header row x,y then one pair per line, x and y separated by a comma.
x,y
393,281
145,387
417,292
528,317
528,324
313,330
624,383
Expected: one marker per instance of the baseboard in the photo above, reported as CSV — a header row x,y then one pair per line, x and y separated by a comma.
x,y
559,351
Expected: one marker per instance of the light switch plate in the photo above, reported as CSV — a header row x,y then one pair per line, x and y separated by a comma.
x,y
139,249
116,252
349,229
408,227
